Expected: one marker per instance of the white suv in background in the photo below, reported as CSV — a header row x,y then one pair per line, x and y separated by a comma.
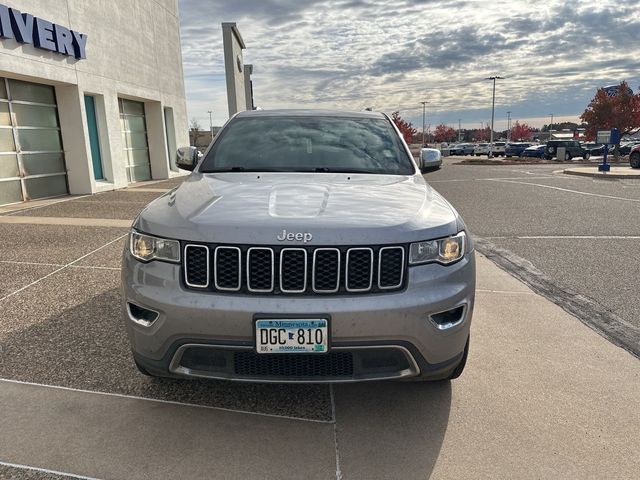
x,y
498,149
481,149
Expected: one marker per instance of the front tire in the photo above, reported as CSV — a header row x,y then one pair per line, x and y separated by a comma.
x,y
634,160
586,156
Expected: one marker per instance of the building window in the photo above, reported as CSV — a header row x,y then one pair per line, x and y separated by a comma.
x,y
170,132
134,136
31,155
94,137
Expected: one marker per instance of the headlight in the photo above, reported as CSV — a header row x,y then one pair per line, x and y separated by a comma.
x,y
147,248
444,250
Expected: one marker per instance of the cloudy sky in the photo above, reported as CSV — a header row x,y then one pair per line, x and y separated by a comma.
x,y
393,54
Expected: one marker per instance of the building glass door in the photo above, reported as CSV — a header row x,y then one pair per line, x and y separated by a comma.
x,y
134,134
31,156
94,137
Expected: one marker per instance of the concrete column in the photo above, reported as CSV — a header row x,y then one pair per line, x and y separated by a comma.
x,y
248,86
117,172
233,67
75,140
157,140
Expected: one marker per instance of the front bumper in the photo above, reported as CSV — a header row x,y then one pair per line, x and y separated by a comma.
x,y
385,325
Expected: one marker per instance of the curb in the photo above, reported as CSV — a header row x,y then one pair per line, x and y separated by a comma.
x,y
597,317
605,175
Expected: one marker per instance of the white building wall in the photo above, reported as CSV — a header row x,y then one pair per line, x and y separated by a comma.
x,y
133,51
233,67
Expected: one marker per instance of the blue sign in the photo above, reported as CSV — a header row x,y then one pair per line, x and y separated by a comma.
x,y
608,137
26,28
614,90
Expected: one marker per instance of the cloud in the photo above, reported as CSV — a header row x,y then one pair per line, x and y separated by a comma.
x,y
391,54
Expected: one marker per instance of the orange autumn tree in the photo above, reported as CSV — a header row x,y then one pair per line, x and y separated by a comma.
x,y
520,131
611,108
406,128
444,133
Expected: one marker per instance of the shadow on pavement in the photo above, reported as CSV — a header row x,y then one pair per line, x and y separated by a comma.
x,y
391,429
86,347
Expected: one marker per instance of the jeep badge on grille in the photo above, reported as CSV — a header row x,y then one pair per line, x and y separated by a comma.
x,y
297,236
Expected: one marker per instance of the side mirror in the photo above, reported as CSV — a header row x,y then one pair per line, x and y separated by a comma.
x,y
187,158
430,158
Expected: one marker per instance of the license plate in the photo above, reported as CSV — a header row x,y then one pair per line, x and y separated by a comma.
x,y
292,336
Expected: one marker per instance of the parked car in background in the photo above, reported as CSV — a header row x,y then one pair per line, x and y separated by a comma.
x,y
594,149
456,149
625,148
634,157
515,149
462,149
468,148
534,151
481,149
498,149
572,148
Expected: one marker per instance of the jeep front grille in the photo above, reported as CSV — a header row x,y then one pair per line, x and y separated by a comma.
x,y
294,270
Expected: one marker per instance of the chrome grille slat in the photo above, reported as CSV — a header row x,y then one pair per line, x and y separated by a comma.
x,y
356,277
327,271
294,270
227,266
196,258
391,260
260,280
291,270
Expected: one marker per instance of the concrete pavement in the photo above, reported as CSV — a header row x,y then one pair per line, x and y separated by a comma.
x,y
543,396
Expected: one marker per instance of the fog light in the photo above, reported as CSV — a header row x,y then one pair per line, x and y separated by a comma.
x,y
140,315
449,318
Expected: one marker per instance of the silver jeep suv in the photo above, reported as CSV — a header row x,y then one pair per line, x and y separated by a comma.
x,y
306,246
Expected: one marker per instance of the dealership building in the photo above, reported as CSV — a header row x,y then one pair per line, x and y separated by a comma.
x,y
91,96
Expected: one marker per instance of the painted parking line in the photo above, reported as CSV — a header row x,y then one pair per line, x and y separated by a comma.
x,y
18,208
567,190
15,262
142,189
568,237
71,221
335,432
172,402
495,179
45,471
504,292
62,267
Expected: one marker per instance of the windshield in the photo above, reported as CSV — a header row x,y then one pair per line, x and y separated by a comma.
x,y
309,144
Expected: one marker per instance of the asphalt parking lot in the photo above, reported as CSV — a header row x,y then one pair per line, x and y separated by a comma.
x,y
543,396
574,239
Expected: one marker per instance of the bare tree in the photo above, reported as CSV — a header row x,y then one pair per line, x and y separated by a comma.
x,y
194,131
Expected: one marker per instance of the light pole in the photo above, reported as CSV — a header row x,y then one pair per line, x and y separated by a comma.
x,y
550,125
210,112
459,132
508,127
493,108
424,120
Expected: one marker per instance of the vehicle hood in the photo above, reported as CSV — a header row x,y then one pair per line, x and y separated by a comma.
x,y
336,209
